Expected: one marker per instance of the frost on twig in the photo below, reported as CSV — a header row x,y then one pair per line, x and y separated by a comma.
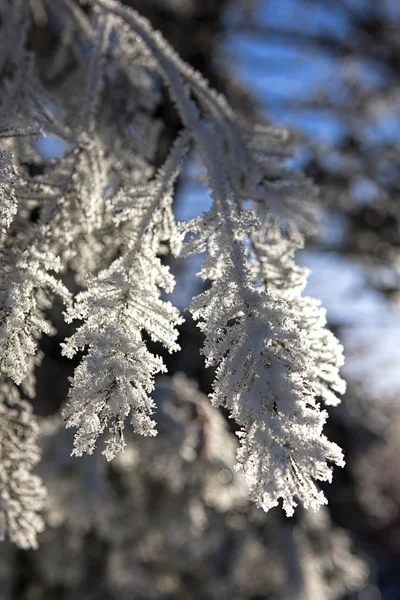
x,y
262,344
103,212
116,376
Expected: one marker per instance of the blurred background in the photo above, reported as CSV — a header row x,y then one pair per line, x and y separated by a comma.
x,y
169,519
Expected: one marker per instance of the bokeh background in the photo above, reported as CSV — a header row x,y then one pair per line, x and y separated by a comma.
x,y
169,519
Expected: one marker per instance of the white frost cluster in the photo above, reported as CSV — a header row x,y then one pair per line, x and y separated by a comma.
x,y
102,212
116,376
268,373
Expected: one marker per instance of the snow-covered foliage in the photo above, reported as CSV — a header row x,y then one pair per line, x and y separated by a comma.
x,y
103,212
